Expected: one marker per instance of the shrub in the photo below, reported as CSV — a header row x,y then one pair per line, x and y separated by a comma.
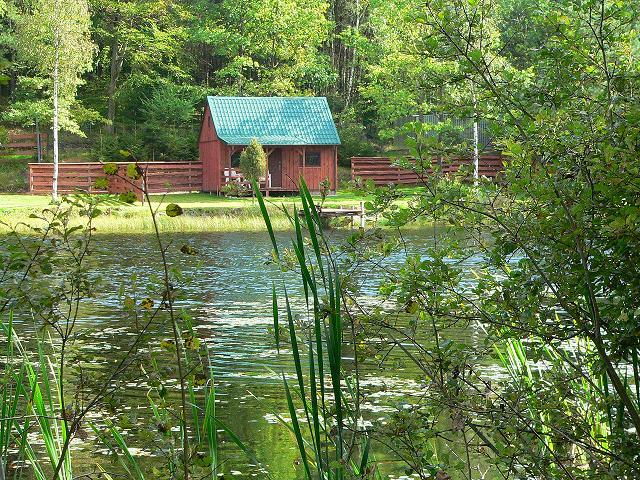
x,y
234,189
253,161
14,174
169,129
120,147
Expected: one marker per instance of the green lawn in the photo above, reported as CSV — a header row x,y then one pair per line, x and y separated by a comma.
x,y
19,200
185,200
203,212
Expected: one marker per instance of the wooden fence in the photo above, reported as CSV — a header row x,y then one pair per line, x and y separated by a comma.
x,y
23,144
381,171
161,177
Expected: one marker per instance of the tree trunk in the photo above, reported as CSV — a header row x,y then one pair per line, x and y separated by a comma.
x,y
117,59
13,78
354,55
56,66
476,149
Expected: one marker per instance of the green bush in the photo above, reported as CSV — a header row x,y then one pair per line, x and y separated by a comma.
x,y
170,127
165,128
13,174
121,147
253,161
234,189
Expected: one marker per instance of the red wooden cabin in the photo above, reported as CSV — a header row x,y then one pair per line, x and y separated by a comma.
x,y
297,133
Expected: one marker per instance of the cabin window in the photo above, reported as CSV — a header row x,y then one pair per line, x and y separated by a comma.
x,y
235,160
312,159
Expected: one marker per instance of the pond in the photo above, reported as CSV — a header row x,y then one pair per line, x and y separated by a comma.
x,y
227,292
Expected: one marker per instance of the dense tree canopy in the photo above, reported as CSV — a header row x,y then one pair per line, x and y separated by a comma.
x,y
156,60
380,63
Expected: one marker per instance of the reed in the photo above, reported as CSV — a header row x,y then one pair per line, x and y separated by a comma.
x,y
589,393
330,442
121,453
33,387
12,388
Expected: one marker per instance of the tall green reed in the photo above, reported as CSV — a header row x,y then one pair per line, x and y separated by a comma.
x,y
36,391
589,394
12,385
331,441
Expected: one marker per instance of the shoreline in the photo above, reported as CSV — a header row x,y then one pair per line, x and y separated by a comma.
x,y
138,220
202,213
109,224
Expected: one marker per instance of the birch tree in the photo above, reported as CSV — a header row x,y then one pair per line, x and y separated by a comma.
x,y
55,40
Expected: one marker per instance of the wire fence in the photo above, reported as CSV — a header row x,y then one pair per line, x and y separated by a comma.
x,y
461,129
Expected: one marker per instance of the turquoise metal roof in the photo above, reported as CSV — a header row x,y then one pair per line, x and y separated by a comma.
x,y
273,120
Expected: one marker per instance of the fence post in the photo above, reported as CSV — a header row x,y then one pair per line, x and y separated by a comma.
x,y
38,141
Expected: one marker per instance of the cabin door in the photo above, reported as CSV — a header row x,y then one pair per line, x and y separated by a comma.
x,y
275,168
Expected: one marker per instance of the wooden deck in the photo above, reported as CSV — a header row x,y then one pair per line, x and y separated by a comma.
x,y
230,175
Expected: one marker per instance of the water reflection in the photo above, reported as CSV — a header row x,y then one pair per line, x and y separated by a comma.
x,y
227,290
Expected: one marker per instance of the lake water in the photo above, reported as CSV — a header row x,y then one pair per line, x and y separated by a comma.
x,y
227,291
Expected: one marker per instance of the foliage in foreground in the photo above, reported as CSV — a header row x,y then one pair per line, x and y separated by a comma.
x,y
541,265
48,398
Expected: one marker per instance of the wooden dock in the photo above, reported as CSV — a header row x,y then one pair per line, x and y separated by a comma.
x,y
346,211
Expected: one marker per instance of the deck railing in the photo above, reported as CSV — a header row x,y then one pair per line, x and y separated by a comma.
x,y
232,174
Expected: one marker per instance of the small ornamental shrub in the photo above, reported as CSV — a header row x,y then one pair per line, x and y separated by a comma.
x,y
325,189
253,161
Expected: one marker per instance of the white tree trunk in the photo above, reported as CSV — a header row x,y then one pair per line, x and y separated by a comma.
x,y
354,56
54,185
476,153
476,140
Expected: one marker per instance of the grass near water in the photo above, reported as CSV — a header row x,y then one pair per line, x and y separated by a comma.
x,y
203,212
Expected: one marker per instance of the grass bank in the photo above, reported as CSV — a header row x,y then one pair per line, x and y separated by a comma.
x,y
202,212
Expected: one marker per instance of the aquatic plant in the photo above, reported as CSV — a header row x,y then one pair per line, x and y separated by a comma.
x,y
329,434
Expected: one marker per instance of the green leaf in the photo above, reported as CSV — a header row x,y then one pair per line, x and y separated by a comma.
x,y
265,216
475,55
276,324
147,304
110,168
134,171
174,210
129,303
101,183
127,197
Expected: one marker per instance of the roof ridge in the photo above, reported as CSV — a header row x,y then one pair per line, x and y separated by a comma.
x,y
267,96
